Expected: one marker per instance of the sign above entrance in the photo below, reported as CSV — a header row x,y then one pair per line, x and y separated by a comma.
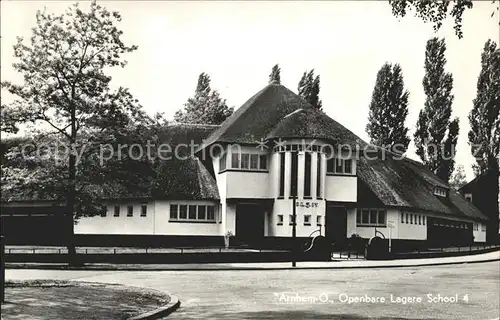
x,y
307,204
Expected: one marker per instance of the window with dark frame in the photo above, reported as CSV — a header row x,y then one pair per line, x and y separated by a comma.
x,y
211,213
174,212
235,160
222,162
411,218
371,218
254,162
402,217
406,216
307,175
291,220
130,211
330,165
116,211
104,211
280,220
183,212
307,220
294,174
245,161
339,165
202,212
144,210
282,175
263,162
347,166
192,212
318,221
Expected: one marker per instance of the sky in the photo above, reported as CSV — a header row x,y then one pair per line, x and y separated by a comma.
x,y
237,43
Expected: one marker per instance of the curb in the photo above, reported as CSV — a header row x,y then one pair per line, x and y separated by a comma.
x,y
161,312
229,268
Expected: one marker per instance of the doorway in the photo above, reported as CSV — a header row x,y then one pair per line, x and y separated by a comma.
x,y
249,222
336,225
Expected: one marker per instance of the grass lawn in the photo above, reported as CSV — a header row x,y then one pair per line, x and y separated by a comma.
x,y
49,299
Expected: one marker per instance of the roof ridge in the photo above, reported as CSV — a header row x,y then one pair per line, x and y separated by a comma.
x,y
193,124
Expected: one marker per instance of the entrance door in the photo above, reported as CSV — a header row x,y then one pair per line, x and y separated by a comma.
x,y
336,225
249,222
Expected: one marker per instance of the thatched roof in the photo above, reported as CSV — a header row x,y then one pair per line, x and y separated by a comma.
x,y
314,124
406,183
257,117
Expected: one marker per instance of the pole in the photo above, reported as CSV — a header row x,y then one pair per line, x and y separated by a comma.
x,y
294,232
2,275
390,238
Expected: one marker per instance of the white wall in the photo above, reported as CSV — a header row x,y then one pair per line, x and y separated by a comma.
x,y
285,208
411,231
119,225
250,185
341,188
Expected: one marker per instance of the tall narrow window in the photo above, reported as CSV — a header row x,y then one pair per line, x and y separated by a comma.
x,y
348,166
173,212
307,175
263,162
245,161
130,211
282,174
318,177
116,212
254,161
144,210
339,166
330,165
235,160
294,174
222,162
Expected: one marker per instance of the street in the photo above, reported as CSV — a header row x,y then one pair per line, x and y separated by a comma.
x,y
399,293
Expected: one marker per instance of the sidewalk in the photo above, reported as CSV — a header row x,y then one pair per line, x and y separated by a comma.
x,y
345,264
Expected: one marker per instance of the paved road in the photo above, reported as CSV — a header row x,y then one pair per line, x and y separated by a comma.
x,y
259,294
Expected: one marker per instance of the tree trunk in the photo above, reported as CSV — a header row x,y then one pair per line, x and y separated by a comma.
x,y
70,211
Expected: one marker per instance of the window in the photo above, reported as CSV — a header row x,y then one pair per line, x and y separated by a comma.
x,y
280,220
245,161
366,217
307,175
144,210
468,197
130,211
210,213
339,166
202,212
116,212
183,212
194,213
402,217
254,161
263,162
423,220
248,161
329,165
174,212
307,220
104,211
406,218
318,221
348,166
371,218
411,218
318,177
282,175
483,227
222,162
291,220
235,160
440,191
294,174
419,220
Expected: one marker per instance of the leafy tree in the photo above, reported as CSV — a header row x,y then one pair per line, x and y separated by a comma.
x,y
309,89
458,178
484,119
388,110
275,74
435,135
66,89
435,12
206,107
